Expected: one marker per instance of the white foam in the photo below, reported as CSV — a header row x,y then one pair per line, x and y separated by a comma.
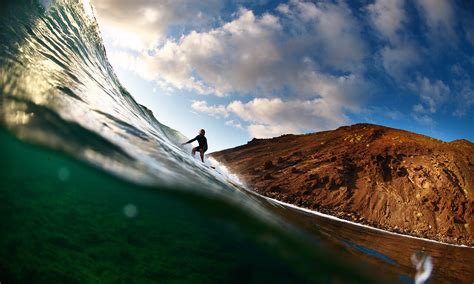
x,y
224,171
88,8
354,223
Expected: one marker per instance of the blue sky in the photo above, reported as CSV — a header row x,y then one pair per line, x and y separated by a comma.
x,y
243,69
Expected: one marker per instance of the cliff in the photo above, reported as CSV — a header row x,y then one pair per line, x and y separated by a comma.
x,y
383,177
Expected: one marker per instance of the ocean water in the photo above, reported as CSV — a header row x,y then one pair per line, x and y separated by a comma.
x,y
94,189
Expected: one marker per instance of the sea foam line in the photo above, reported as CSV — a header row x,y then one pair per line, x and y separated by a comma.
x,y
355,223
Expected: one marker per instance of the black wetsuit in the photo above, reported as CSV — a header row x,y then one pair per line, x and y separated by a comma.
x,y
201,139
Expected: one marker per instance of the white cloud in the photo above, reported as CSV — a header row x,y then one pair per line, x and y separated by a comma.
x,y
388,17
439,16
276,111
393,114
267,55
283,8
423,119
234,123
268,117
329,28
269,131
469,30
237,56
253,54
344,92
271,117
419,108
462,89
300,67
141,24
432,93
399,54
398,59
216,111
465,98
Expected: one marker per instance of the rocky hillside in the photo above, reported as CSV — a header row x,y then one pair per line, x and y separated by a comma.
x,y
383,177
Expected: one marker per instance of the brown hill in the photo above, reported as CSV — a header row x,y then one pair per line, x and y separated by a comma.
x,y
387,178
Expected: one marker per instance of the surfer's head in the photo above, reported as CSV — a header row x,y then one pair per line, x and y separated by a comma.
x,y
202,132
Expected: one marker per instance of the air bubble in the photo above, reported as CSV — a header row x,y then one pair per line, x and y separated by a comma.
x,y
130,210
63,174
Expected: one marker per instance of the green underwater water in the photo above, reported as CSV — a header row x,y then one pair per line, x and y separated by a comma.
x,y
63,221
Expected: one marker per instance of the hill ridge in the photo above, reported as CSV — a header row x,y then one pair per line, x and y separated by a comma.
x,y
375,175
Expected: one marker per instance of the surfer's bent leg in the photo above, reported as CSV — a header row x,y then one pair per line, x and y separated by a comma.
x,y
201,151
194,150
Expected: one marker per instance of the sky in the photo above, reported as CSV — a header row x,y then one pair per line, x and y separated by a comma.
x,y
242,69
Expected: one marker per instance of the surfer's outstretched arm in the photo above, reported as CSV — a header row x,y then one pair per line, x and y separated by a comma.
x,y
190,141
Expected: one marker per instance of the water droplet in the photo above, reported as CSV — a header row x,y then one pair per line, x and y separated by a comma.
x,y
130,210
63,174
424,266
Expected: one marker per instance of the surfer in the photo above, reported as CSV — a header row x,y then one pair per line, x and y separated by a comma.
x,y
201,139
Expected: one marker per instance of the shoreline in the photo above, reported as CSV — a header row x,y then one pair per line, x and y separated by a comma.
x,y
325,215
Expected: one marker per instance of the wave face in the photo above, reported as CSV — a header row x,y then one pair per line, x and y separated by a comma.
x,y
57,89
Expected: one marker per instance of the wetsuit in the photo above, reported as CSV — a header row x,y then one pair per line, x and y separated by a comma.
x,y
201,139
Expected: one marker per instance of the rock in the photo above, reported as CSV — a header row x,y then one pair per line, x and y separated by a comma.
x,y
295,170
267,176
276,188
312,177
268,165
